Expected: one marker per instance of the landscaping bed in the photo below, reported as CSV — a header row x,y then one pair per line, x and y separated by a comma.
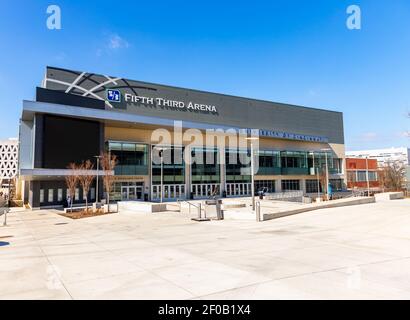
x,y
84,214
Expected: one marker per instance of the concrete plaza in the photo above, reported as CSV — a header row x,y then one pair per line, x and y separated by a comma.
x,y
358,252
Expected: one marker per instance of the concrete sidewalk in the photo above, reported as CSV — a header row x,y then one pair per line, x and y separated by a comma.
x,y
358,252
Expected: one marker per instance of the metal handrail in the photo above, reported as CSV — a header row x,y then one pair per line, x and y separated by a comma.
x,y
190,204
199,208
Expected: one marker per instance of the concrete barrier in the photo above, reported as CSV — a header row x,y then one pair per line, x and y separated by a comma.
x,y
387,196
142,207
226,206
317,206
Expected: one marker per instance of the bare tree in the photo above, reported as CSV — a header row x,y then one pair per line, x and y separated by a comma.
x,y
322,179
351,177
108,163
72,181
86,179
393,176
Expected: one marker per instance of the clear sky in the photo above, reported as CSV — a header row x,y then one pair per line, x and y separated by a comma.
x,y
292,51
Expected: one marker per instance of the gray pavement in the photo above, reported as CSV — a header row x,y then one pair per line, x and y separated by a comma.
x,y
358,252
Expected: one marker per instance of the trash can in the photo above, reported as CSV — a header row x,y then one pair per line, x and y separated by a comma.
x,y
146,197
224,194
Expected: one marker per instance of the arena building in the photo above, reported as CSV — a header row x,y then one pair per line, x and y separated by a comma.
x,y
77,116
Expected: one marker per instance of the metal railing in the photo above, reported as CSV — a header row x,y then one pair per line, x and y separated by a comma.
x,y
198,207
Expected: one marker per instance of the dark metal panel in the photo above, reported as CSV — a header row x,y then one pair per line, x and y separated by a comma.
x,y
230,110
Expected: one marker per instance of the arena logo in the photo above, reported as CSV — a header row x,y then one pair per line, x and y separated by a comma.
x,y
113,95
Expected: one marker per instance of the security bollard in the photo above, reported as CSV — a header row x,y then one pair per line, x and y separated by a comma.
x,y
258,211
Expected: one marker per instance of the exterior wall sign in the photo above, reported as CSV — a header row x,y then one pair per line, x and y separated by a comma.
x,y
172,104
292,136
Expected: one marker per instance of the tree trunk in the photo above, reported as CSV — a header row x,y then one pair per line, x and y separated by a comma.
x,y
108,202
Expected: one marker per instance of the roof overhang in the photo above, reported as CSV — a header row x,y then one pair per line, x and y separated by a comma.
x,y
114,118
125,119
58,174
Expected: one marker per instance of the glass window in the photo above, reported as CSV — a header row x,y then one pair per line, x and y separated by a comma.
x,y
50,195
290,185
132,157
267,186
312,186
92,195
372,176
337,184
237,166
77,194
41,195
60,195
205,168
361,176
173,167
293,159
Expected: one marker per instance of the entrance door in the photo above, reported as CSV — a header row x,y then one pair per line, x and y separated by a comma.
x,y
131,193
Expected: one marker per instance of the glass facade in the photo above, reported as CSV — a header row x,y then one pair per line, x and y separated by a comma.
x,y
269,163
127,190
334,164
267,186
132,158
336,184
312,186
206,168
294,163
173,166
290,185
236,166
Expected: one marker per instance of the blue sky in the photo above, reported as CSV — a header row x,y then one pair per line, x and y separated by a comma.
x,y
292,51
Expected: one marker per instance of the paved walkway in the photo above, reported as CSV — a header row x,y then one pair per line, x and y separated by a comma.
x,y
359,252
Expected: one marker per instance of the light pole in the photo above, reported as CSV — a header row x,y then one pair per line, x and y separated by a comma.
x,y
327,173
98,173
316,173
162,172
251,139
367,177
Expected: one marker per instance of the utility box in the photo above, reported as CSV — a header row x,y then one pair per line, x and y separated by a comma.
x,y
216,205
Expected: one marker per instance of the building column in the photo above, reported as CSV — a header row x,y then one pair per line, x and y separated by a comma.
x,y
34,194
278,185
303,185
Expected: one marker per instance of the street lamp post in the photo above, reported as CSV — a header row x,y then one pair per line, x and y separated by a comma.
x,y
316,172
327,178
327,173
162,173
252,171
253,178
